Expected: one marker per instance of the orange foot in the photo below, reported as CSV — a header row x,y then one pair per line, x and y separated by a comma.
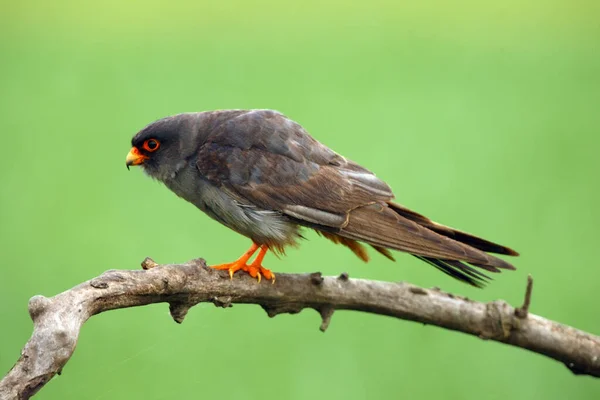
x,y
256,270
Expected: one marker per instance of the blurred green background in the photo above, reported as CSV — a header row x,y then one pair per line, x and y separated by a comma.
x,y
483,116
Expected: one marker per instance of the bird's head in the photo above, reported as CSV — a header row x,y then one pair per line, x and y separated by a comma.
x,y
162,147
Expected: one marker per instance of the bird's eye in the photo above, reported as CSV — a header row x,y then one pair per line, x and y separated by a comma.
x,y
151,145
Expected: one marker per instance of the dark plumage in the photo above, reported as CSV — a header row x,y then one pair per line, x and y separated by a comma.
x,y
262,175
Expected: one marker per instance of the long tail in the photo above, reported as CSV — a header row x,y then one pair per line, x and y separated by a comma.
x,y
463,237
392,226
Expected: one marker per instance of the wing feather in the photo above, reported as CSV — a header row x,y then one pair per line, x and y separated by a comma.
x,y
264,159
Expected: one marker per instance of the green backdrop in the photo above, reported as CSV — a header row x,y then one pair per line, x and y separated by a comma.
x,y
481,115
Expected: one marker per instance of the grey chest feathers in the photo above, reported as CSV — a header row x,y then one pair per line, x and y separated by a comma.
x,y
262,226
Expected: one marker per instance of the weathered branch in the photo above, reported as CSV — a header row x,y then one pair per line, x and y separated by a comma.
x,y
58,320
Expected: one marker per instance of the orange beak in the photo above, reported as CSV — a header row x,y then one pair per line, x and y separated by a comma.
x,y
134,157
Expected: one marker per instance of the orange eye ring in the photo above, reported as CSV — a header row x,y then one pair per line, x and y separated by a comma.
x,y
151,145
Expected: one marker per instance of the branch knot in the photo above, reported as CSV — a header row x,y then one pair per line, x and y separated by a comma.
x,y
37,306
499,322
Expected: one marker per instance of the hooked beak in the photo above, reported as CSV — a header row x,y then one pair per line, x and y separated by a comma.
x,y
134,157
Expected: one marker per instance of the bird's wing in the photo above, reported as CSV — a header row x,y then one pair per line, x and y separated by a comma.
x,y
265,160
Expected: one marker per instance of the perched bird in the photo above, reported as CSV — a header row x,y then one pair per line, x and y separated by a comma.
x,y
264,176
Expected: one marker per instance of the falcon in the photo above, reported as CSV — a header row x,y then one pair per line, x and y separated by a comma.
x,y
265,177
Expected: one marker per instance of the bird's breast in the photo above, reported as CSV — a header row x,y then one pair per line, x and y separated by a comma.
x,y
262,226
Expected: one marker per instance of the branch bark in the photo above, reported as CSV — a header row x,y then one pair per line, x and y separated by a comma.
x,y
58,320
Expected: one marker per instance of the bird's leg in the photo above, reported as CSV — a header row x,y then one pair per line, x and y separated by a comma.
x,y
256,269
240,263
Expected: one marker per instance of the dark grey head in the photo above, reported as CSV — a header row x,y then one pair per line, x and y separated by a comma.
x,y
163,147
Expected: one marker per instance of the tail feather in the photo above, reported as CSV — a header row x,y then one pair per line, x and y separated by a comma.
x,y
391,226
357,248
458,270
378,225
459,236
385,252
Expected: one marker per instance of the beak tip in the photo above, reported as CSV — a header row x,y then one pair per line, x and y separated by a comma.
x,y
134,157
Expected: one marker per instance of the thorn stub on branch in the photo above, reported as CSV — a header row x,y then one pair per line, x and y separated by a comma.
x,y
149,263
316,278
418,290
574,369
223,302
199,262
290,308
326,314
523,311
178,311
271,311
98,284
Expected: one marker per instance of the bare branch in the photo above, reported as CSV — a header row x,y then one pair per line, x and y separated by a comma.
x,y
58,320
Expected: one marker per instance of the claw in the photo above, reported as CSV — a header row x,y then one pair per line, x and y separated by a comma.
x,y
256,270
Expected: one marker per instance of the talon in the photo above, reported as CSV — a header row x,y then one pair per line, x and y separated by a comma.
x,y
238,264
255,270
